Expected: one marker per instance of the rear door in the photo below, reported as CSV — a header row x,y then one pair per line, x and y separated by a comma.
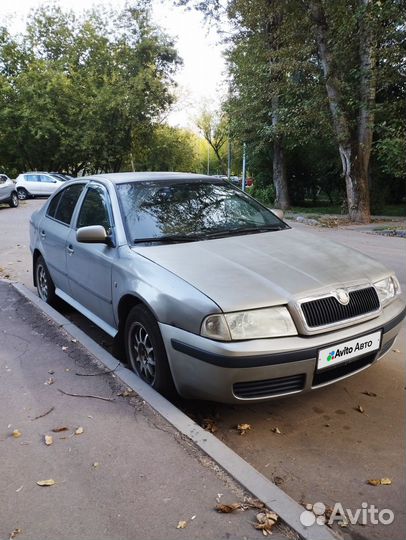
x,y
54,230
48,184
90,265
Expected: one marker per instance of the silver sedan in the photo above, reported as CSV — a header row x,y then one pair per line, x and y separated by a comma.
x,y
209,292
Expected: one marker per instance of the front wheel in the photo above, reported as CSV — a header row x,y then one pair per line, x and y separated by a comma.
x,y
45,285
145,350
14,202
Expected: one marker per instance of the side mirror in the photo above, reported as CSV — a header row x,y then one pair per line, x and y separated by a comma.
x,y
278,213
95,234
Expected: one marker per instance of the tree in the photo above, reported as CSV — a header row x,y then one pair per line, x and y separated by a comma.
x,y
214,128
75,91
310,57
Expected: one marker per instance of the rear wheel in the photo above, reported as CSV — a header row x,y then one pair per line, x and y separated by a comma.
x,y
45,285
145,350
14,202
22,194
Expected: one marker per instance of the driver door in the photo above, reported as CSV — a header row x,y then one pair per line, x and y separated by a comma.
x,y
89,266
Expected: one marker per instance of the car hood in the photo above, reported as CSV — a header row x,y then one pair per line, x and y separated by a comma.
x,y
258,270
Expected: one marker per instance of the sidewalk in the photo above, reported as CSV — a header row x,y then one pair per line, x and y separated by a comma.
x,y
129,475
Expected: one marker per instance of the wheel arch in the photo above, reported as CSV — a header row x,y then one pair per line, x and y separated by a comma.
x,y
35,256
125,305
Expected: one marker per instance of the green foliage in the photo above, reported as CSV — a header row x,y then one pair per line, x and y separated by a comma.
x,y
75,92
264,194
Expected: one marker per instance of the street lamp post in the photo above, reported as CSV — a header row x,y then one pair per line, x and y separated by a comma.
x,y
244,161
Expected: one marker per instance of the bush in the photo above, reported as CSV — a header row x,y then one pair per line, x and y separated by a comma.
x,y
266,194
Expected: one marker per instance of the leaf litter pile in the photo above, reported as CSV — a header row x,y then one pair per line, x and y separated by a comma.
x,y
266,519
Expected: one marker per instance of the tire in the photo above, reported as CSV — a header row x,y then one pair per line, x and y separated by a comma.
x,y
14,202
22,194
45,285
145,351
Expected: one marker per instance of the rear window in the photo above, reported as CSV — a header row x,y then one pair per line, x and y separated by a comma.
x,y
65,205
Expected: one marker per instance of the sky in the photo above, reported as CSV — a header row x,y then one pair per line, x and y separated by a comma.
x,y
200,80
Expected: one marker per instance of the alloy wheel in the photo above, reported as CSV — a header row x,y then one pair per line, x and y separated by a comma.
x,y
142,353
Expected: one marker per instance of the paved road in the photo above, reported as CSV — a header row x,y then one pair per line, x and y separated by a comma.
x,y
327,449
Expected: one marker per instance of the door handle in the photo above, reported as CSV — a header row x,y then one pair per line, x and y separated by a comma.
x,y
70,249
42,234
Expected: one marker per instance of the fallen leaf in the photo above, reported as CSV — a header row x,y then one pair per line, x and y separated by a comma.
x,y
266,520
16,433
360,409
276,430
50,381
59,429
380,482
64,348
49,482
48,440
181,525
14,533
19,489
227,508
79,430
370,394
193,517
67,369
243,428
396,350
209,424
254,503
74,340
95,464
51,371
126,393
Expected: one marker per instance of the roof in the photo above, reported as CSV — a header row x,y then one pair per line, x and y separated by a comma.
x,y
122,177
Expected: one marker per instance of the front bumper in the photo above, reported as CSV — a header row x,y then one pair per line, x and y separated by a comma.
x,y
258,370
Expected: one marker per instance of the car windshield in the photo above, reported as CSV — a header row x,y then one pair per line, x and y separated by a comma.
x,y
188,210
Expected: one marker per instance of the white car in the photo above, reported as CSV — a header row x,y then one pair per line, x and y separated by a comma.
x,y
36,184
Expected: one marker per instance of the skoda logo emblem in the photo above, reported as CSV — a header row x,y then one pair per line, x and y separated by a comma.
x,y
342,296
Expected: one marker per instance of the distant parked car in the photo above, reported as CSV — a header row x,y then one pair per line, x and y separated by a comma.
x,y
61,176
208,290
8,192
36,184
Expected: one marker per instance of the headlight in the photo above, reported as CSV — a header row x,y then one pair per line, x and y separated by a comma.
x,y
255,324
387,289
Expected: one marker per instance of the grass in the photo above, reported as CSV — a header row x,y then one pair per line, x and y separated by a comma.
x,y
392,210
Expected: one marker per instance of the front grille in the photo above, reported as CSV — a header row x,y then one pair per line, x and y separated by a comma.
x,y
328,310
342,370
269,387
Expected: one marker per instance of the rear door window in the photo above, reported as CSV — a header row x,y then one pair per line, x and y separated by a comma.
x,y
67,203
94,210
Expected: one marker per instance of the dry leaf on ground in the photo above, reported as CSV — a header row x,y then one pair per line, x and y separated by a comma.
x,y
59,429
396,350
48,439
16,433
95,464
266,520
227,508
64,348
276,430
243,428
380,482
14,533
181,525
360,409
46,483
49,381
209,425
79,430
254,503
370,394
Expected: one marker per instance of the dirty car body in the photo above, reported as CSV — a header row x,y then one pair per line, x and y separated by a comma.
x,y
244,307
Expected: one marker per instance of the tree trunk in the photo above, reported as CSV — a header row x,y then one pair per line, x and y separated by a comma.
x,y
282,200
354,145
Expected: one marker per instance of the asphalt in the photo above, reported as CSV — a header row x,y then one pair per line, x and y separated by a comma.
x,y
130,474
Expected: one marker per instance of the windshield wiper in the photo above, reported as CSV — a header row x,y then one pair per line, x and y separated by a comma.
x,y
168,238
244,230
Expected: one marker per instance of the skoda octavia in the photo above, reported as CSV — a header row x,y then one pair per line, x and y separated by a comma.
x,y
209,292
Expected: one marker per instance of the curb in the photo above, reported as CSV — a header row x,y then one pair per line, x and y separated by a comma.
x,y
244,473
